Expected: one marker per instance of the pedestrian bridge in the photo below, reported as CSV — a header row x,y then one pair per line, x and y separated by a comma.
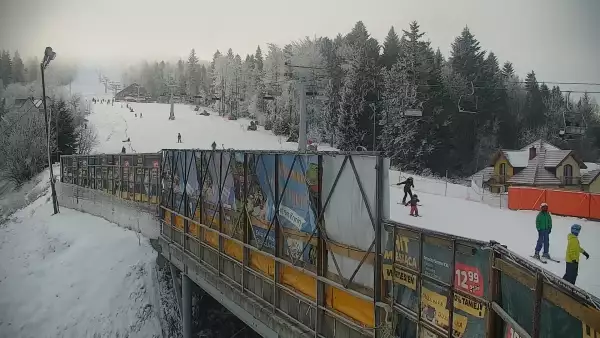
x,y
300,245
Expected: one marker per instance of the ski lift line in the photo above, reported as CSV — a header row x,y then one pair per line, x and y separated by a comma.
x,y
306,67
458,87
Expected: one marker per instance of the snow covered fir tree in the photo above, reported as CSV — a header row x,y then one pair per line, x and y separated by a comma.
x,y
359,91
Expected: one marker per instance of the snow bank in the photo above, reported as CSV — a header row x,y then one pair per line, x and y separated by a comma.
x,y
139,217
75,275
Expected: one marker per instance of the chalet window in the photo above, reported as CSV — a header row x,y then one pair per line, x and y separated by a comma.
x,y
502,170
568,174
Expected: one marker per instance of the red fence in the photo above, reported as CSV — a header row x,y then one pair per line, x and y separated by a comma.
x,y
560,202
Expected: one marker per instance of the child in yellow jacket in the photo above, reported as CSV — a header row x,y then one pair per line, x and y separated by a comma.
x,y
572,256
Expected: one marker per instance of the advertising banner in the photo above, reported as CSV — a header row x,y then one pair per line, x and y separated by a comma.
x,y
472,269
437,259
518,301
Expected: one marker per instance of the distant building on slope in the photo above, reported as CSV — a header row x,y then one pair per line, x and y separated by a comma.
x,y
133,93
539,164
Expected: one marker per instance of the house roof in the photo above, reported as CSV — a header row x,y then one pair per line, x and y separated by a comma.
x,y
590,176
590,166
535,173
517,158
536,144
132,90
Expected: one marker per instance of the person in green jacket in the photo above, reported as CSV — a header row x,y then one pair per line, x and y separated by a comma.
x,y
543,224
574,249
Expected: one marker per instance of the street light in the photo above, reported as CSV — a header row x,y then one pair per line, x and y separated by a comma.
x,y
49,55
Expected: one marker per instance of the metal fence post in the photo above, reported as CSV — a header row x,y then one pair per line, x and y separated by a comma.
x,y
377,263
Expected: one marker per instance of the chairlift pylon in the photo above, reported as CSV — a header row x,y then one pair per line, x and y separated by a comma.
x,y
574,124
460,108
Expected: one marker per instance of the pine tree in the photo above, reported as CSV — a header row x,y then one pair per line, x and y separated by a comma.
x,y
192,73
64,126
391,49
534,105
32,69
507,69
18,69
6,67
359,55
258,58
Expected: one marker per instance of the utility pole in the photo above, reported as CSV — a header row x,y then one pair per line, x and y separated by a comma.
x,y
302,126
49,55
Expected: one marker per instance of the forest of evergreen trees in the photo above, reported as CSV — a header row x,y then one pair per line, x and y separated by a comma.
x,y
23,141
471,103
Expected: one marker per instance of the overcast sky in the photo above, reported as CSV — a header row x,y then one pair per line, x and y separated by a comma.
x,y
559,39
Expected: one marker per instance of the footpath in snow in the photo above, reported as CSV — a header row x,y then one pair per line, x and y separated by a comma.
x,y
461,212
75,275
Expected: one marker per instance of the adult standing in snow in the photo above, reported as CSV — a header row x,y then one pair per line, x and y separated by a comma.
x,y
178,137
574,249
408,184
543,224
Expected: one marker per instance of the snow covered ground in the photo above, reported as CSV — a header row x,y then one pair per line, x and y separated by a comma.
x,y
75,275
450,208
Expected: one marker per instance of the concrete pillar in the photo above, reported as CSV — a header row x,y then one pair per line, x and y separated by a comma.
x,y
187,306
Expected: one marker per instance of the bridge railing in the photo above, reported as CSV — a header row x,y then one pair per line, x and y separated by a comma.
x,y
134,177
494,292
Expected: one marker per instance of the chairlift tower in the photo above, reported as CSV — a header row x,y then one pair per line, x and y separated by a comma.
x,y
171,85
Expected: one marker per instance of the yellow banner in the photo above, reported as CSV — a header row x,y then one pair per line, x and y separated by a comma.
x,y
473,307
433,310
405,278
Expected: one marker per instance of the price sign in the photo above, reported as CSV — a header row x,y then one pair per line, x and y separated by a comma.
x,y
468,279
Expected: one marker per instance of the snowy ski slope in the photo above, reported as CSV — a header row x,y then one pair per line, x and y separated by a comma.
x,y
457,214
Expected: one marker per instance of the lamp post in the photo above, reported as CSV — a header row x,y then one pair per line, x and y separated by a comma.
x,y
49,55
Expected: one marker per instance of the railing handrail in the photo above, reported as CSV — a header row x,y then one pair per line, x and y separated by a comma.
x,y
582,295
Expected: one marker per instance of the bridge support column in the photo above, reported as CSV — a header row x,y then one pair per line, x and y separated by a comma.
x,y
187,305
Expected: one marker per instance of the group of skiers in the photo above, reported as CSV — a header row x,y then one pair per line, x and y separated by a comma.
x,y
543,224
414,199
111,102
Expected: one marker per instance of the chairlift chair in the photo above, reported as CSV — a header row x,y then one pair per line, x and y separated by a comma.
x,y
461,109
574,124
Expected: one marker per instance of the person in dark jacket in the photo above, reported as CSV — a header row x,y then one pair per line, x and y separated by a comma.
x,y
543,224
574,249
408,184
123,150
178,137
414,202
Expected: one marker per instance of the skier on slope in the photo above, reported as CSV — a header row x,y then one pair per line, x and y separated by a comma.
x,y
408,184
574,249
543,224
414,202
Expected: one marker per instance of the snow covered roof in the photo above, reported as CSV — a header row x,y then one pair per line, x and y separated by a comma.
x,y
535,173
555,157
517,158
536,145
590,166
590,176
